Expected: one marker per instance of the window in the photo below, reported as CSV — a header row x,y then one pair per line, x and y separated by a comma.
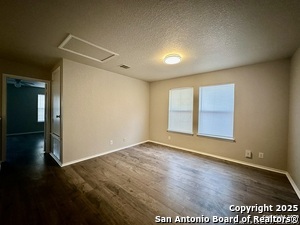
x,y
181,110
41,108
216,111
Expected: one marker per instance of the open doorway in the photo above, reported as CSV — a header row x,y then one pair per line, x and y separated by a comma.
x,y
25,120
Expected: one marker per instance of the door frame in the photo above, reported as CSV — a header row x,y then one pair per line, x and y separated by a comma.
x,y
4,111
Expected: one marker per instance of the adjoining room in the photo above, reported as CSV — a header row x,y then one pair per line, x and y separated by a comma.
x,y
25,110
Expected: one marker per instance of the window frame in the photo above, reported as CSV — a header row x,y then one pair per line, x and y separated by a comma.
x,y
39,108
232,138
192,112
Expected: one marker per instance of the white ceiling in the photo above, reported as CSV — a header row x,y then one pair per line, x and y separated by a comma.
x,y
209,35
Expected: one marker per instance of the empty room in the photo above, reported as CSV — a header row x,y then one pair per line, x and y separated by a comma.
x,y
146,112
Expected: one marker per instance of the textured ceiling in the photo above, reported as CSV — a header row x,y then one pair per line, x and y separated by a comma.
x,y
209,35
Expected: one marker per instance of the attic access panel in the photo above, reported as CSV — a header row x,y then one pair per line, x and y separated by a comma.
x,y
86,49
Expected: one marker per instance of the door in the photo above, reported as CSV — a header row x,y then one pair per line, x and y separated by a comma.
x,y
55,116
56,102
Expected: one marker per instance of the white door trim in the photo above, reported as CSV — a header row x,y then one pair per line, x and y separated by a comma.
x,y
4,110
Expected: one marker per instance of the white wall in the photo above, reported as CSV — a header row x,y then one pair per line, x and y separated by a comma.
x,y
99,106
261,113
294,123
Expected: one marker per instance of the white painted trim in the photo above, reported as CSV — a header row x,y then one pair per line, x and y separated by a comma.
x,y
56,159
3,117
295,187
4,111
34,132
293,184
224,158
103,153
197,152
70,36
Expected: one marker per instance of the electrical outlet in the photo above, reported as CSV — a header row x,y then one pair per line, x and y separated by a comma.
x,y
261,155
169,137
248,154
111,142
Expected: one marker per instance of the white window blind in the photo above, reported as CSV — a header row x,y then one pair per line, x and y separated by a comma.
x,y
216,111
181,110
41,108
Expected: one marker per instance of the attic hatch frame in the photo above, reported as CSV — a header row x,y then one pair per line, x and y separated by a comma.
x,y
70,37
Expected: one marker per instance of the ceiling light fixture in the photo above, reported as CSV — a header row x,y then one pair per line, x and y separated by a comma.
x,y
172,59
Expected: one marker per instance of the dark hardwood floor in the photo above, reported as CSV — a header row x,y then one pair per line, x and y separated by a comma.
x,y
131,186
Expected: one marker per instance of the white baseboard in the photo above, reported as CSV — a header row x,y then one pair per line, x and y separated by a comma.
x,y
224,158
100,154
56,159
189,150
293,184
296,189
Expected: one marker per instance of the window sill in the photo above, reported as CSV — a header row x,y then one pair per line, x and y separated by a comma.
x,y
180,132
217,137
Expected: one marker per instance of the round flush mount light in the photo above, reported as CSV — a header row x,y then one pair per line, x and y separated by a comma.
x,y
172,59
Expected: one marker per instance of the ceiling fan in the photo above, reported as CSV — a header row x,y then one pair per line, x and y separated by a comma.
x,y
19,83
